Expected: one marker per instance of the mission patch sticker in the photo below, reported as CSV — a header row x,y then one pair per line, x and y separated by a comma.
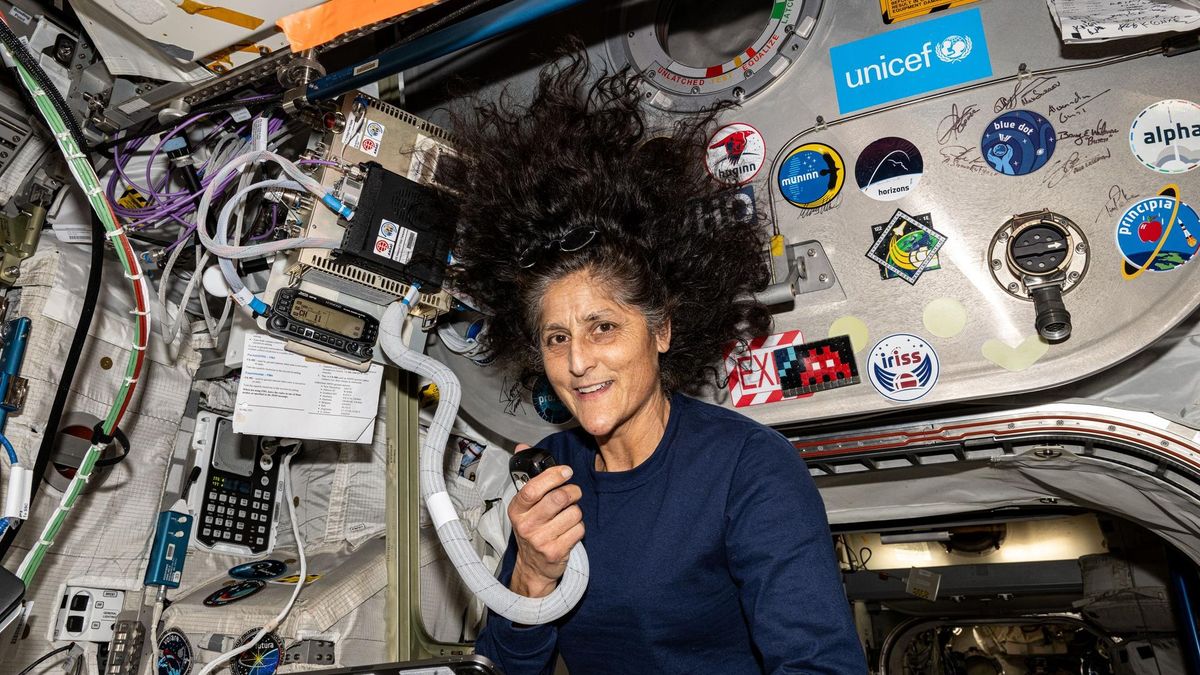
x,y
1018,142
1156,234
736,153
1165,137
906,246
903,367
811,175
888,169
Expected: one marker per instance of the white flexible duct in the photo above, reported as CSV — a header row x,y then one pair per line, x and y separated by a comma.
x,y
450,530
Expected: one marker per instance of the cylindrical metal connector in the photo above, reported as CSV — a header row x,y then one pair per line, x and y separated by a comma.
x,y
1051,318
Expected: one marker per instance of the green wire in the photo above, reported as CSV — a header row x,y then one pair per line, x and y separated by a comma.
x,y
90,183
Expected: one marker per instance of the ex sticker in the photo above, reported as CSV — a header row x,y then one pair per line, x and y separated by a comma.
x,y
736,153
811,175
903,367
1156,234
751,371
906,246
1165,136
1018,142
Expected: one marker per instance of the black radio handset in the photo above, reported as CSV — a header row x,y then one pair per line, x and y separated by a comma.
x,y
528,464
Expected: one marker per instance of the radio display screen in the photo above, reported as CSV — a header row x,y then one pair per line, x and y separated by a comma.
x,y
328,318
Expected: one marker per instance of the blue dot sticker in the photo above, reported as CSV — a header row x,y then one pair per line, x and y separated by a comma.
x,y
1018,143
811,175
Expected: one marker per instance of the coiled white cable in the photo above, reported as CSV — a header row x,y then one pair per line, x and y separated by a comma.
x,y
450,530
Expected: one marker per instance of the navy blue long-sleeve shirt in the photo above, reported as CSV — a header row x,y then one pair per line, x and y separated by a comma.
x,y
712,556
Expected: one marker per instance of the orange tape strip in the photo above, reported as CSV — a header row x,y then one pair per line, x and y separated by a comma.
x,y
221,14
315,26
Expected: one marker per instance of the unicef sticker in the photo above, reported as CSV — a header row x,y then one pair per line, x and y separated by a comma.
x,y
547,404
903,367
1018,143
1165,136
1156,234
888,169
736,153
811,175
953,48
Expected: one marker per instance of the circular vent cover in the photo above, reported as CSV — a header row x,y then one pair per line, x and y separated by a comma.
x,y
696,52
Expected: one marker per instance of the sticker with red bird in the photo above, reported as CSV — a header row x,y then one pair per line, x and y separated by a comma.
x,y
736,153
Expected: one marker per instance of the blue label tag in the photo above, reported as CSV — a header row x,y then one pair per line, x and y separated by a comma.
x,y
908,61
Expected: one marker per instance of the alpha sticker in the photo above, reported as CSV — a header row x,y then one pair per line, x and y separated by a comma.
x,y
903,10
1018,142
736,153
903,367
174,654
816,366
547,403
888,169
1165,136
751,373
259,569
906,246
372,138
904,62
234,592
1156,234
811,175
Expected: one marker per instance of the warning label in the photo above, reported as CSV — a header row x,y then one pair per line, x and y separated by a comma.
x,y
902,10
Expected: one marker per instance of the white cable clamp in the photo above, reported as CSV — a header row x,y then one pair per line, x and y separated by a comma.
x,y
117,231
16,501
139,312
129,381
136,276
94,191
139,347
441,509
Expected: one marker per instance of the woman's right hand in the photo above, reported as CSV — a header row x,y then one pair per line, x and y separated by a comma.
x,y
547,524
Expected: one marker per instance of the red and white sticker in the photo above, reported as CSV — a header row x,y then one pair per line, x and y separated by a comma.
x,y
372,138
736,153
383,247
752,377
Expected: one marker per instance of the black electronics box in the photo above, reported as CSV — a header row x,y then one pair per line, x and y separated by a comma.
x,y
401,230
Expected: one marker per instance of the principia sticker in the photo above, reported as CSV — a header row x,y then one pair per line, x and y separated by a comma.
x,y
903,367
752,375
1157,234
1165,136
736,153
811,175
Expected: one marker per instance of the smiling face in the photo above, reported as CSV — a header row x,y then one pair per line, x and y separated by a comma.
x,y
601,357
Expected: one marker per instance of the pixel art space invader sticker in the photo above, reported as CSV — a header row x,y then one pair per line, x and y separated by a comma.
x,y
816,366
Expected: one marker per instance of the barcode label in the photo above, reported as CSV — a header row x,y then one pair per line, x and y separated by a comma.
x,y
404,248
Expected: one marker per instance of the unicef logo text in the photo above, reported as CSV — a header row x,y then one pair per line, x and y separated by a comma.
x,y
953,48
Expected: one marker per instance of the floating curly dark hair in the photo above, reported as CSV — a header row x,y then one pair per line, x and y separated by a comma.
x,y
671,241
